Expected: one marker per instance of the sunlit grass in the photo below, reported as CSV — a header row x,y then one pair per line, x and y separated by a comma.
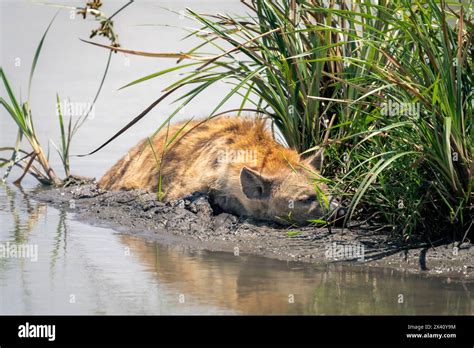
x,y
20,112
324,74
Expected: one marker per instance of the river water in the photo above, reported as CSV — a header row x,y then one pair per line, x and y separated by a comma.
x,y
78,268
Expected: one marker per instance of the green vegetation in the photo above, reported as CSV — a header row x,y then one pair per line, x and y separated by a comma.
x,y
384,87
21,113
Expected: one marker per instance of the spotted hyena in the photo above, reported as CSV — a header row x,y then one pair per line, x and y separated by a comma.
x,y
236,161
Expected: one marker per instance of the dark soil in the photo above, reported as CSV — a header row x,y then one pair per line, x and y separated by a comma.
x,y
192,222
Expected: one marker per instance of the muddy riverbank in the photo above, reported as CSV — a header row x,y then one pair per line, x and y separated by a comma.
x,y
191,222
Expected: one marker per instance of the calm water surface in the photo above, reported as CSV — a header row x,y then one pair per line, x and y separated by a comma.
x,y
82,269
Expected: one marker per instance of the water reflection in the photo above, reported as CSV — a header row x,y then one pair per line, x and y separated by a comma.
x,y
84,269
256,285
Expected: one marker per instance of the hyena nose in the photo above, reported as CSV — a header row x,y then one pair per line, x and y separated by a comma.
x,y
340,212
338,215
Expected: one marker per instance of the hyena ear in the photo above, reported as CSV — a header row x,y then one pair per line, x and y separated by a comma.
x,y
254,186
316,160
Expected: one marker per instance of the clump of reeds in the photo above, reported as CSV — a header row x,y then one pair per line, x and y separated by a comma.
x,y
36,161
327,75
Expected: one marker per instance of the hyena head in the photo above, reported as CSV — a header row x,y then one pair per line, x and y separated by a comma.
x,y
294,195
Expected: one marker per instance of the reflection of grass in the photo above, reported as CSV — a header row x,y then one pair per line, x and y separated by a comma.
x,y
22,229
323,74
24,223
61,233
21,226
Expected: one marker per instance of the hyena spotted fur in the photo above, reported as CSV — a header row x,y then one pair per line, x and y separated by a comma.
x,y
235,161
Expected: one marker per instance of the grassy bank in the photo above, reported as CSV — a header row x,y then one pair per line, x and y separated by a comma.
x,y
383,87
